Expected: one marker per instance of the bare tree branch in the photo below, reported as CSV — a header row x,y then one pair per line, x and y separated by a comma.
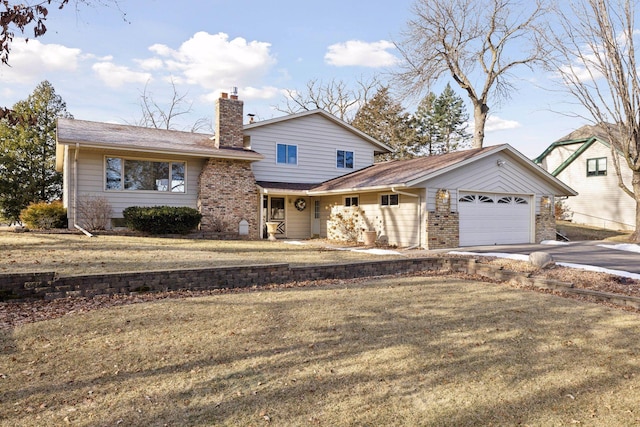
x,y
469,40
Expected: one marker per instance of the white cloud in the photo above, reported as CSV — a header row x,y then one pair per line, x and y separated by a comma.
x,y
359,53
32,60
213,61
150,64
115,75
247,93
495,123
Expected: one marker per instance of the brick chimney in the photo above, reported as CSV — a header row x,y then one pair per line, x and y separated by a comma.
x,y
229,122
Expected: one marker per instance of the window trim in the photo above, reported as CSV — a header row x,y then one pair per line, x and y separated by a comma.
x,y
353,159
597,171
122,188
286,163
389,196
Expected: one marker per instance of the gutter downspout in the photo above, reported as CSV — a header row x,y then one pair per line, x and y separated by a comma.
x,y
419,244
75,192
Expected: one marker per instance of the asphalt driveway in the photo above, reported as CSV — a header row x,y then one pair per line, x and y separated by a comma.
x,y
583,252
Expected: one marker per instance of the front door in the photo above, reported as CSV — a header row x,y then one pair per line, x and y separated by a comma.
x,y
276,214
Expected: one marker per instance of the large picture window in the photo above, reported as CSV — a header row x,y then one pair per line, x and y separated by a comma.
x,y
144,175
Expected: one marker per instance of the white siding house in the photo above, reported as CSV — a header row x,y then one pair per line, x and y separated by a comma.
x,y
583,160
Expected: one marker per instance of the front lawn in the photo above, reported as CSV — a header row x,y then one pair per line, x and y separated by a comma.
x,y
76,254
388,351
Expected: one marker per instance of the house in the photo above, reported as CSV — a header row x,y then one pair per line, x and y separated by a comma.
x,y
583,160
304,172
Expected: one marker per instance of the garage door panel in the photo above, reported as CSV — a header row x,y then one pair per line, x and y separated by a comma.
x,y
489,223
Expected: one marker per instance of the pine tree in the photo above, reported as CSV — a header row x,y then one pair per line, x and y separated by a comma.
x,y
27,152
385,120
441,123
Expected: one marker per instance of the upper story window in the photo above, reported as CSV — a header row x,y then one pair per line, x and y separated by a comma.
x,y
344,159
597,167
146,175
351,201
287,154
389,200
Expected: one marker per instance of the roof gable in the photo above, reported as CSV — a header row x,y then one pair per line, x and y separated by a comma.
x,y
408,173
380,147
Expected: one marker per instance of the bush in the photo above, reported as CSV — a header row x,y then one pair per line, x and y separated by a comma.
x,y
162,219
44,215
95,212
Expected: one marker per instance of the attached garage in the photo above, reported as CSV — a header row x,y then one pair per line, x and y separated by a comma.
x,y
491,219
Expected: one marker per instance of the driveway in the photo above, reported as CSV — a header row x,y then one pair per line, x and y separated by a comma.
x,y
584,252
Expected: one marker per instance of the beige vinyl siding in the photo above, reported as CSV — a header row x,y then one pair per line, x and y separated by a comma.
x,y
600,202
485,175
317,140
399,225
91,182
298,222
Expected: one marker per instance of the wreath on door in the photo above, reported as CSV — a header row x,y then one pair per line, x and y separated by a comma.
x,y
300,204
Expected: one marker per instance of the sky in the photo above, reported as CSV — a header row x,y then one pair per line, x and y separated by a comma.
x,y
101,59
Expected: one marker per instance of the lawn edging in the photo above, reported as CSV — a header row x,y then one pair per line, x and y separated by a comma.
x,y
49,286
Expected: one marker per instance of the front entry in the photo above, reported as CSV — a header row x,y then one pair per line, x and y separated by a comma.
x,y
275,213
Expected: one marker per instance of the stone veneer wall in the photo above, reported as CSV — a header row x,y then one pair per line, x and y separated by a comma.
x,y
228,195
229,122
443,226
545,221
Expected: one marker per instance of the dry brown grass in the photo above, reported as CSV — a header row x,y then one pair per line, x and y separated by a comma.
x,y
73,254
389,351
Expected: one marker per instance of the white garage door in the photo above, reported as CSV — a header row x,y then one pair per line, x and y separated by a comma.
x,y
489,219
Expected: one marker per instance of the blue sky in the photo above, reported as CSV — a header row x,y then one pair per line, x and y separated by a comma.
x,y
100,63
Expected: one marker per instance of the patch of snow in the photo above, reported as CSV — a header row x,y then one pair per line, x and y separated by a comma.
x,y
377,251
293,242
553,243
629,247
517,257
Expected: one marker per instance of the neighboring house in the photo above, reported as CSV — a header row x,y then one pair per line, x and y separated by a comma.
x,y
583,160
302,170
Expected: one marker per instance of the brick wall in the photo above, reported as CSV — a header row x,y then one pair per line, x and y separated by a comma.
x,y
229,122
443,226
227,195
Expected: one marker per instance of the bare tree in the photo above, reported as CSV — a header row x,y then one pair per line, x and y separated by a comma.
x,y
594,55
335,97
158,116
21,16
473,41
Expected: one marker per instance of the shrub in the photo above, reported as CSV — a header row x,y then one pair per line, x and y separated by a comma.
x,y
562,211
44,215
162,219
345,224
95,212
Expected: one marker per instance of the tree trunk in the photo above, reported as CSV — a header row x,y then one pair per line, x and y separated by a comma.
x,y
480,112
635,236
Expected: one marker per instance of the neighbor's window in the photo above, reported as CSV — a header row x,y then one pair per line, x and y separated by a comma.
x,y
597,167
131,174
389,200
344,159
287,154
351,201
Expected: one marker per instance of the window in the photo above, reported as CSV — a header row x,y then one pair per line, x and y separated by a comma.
x,y
287,154
344,159
146,175
512,200
475,198
597,167
389,200
351,201
316,209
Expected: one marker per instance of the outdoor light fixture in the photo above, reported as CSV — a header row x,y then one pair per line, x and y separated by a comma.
x,y
501,162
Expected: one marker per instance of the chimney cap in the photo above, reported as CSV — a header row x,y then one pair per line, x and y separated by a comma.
x,y
224,95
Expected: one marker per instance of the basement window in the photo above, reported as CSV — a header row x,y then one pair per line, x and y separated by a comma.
x,y
597,167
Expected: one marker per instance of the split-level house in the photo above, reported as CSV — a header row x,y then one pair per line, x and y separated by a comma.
x,y
304,171
583,160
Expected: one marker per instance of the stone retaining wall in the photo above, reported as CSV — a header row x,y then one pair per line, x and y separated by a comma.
x,y
45,285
